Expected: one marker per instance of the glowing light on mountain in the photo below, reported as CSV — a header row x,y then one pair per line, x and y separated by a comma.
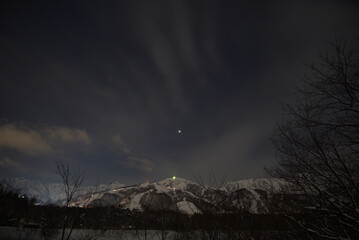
x,y
174,177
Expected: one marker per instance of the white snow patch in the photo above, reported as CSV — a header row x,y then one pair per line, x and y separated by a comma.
x,y
145,184
161,188
187,207
135,202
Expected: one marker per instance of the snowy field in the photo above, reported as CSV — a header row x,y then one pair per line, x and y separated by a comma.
x,y
13,233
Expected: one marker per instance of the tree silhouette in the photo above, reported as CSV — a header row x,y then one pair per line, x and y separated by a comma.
x,y
318,147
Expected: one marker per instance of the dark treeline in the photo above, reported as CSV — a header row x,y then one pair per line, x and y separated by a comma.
x,y
19,211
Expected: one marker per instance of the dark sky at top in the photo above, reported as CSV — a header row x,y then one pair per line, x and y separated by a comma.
x,y
106,85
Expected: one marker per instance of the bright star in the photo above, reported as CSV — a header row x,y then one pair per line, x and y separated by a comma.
x,y
179,131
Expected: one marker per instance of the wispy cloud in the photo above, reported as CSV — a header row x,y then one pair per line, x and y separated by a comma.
x,y
165,60
8,163
129,159
183,35
67,135
142,164
172,47
40,140
120,145
23,139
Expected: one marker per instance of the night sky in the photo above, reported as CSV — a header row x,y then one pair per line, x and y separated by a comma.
x,y
107,85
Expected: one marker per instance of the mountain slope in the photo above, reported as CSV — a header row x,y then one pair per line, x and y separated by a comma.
x,y
48,193
185,196
250,195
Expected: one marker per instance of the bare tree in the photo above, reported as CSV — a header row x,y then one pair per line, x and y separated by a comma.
x,y
318,147
70,183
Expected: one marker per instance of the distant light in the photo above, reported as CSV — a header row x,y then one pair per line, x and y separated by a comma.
x,y
174,177
179,131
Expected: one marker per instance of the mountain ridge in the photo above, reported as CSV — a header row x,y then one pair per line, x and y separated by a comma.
x,y
177,194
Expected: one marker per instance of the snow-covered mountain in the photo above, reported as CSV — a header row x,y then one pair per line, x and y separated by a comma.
x,y
49,193
177,194
169,194
188,197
